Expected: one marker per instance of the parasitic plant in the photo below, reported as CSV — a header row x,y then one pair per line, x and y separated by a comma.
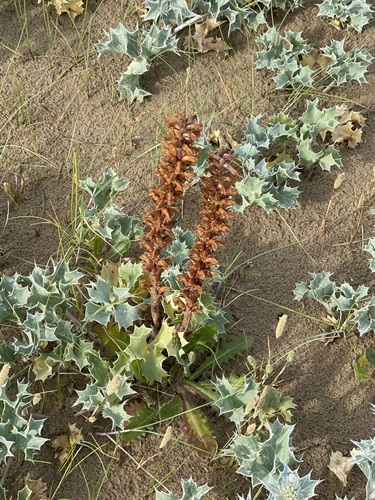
x,y
173,172
217,197
217,194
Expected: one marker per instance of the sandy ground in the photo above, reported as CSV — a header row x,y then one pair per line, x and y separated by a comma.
x,y
72,109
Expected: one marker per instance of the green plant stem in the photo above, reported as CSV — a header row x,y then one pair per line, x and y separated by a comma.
x,y
6,471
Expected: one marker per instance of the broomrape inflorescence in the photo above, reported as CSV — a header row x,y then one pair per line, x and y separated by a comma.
x,y
217,197
173,173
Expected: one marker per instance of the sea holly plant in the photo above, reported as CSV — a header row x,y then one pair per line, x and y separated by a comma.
x,y
190,491
154,42
20,431
251,405
346,306
144,46
103,227
268,459
299,64
151,317
349,14
268,156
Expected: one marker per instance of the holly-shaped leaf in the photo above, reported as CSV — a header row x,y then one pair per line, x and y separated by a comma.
x,y
148,356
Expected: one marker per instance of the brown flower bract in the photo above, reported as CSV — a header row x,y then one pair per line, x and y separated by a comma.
x,y
217,196
173,172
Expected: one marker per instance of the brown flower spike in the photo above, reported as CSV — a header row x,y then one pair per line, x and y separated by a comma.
x,y
172,170
217,196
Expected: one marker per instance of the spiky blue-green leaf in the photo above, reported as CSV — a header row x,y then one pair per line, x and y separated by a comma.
x,y
129,82
76,352
126,315
190,491
96,397
36,331
105,189
168,11
234,398
329,158
253,192
315,120
296,43
288,485
364,317
120,41
320,288
347,66
13,297
156,41
98,312
286,196
259,459
354,13
274,53
28,440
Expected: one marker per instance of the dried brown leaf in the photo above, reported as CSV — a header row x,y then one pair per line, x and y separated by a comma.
x,y
348,129
64,444
340,466
345,132
315,60
71,7
199,39
38,488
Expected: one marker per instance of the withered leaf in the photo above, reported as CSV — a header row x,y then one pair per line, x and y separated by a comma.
x,y
349,128
315,60
345,132
340,466
199,39
38,488
65,443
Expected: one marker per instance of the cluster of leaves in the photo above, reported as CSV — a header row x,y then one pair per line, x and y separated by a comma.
x,y
267,459
38,305
265,155
298,64
349,309
352,14
250,404
172,17
353,306
20,432
154,42
103,225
